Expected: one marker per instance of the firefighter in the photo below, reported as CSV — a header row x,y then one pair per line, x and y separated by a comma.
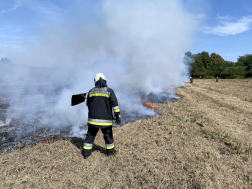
x,y
101,101
217,79
191,80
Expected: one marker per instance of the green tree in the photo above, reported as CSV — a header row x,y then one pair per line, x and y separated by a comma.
x,y
206,59
5,61
198,68
217,65
233,71
188,53
249,70
246,61
230,63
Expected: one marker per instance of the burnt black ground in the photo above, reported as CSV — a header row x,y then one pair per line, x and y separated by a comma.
x,y
20,129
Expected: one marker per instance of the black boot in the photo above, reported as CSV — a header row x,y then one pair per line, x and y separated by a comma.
x,y
86,153
110,151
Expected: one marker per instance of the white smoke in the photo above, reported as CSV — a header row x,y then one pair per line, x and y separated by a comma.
x,y
138,45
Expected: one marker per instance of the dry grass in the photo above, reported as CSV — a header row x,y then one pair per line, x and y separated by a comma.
x,y
201,141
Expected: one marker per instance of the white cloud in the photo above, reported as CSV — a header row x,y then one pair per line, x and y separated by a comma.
x,y
222,18
248,8
7,36
45,9
229,26
14,7
199,16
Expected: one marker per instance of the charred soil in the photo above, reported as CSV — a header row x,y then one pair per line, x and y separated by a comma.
x,y
201,141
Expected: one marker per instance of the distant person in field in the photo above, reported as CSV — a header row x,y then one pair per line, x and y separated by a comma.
x,y
217,79
200,76
101,101
191,80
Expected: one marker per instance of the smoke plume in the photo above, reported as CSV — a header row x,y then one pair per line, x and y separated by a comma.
x,y
138,45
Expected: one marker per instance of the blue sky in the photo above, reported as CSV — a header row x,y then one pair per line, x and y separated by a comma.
x,y
224,26
225,29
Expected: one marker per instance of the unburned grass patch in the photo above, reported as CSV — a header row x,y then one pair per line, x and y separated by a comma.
x,y
221,137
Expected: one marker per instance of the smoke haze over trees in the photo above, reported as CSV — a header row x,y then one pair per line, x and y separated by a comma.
x,y
212,65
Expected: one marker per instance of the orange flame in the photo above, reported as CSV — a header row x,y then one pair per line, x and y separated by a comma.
x,y
52,138
178,93
153,106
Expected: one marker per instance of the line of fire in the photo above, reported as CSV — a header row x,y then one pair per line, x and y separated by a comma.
x,y
16,132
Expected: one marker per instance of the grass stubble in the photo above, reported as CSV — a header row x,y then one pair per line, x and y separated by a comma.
x,y
201,141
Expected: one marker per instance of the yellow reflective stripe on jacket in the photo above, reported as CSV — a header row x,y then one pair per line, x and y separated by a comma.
x,y
110,147
117,110
99,94
100,123
87,147
119,115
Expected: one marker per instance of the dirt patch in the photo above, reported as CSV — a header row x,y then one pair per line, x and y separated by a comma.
x,y
200,141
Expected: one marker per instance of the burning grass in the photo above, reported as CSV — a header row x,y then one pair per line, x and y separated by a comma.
x,y
200,141
153,106
179,93
53,138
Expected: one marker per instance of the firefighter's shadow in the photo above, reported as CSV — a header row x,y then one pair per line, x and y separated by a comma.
x,y
78,142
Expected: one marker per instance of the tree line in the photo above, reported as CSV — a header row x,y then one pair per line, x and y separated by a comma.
x,y
213,65
208,66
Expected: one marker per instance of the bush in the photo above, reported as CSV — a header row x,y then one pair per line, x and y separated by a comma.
x,y
209,77
241,77
233,76
236,76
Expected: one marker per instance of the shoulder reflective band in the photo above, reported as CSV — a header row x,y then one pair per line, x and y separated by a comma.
x,y
97,123
87,146
116,109
100,122
99,94
99,91
110,146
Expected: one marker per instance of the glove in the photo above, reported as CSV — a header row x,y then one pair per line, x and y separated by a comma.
x,y
118,119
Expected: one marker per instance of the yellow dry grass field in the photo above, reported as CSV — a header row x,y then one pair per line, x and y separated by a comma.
x,y
201,141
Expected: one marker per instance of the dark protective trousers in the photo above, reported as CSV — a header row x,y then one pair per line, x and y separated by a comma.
x,y
92,131
107,135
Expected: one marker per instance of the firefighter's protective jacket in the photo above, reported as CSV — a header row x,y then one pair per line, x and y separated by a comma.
x,y
101,101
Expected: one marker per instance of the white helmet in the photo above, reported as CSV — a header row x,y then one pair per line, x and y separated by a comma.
x,y
98,76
